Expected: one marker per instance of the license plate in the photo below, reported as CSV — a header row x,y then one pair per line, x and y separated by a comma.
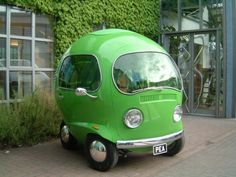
x,y
159,149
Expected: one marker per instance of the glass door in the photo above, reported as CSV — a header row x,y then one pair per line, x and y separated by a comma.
x,y
198,57
179,48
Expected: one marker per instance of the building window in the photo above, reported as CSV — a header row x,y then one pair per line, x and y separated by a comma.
x,y
20,52
44,26
2,20
2,52
20,84
21,22
2,85
43,80
43,54
26,52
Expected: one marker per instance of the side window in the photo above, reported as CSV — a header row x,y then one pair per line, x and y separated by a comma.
x,y
80,71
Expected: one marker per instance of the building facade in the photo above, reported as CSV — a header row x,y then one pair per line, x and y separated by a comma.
x,y
199,35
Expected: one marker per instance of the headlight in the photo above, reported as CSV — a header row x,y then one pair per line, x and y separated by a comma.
x,y
177,113
133,118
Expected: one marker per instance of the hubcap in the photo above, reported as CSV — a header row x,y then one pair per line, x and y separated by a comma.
x,y
65,134
98,151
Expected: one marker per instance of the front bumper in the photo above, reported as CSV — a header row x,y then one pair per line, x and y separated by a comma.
x,y
128,144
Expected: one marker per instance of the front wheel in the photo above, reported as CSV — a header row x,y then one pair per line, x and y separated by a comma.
x,y
101,154
67,139
175,147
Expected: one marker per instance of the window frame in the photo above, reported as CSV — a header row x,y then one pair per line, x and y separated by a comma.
x,y
72,89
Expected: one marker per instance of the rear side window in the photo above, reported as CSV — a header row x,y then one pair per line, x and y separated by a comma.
x,y
80,71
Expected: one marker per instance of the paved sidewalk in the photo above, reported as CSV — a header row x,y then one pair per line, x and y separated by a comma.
x,y
209,152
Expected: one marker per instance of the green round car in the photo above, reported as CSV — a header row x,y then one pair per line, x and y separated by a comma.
x,y
119,92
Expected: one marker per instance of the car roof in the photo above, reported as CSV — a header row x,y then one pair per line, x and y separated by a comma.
x,y
111,43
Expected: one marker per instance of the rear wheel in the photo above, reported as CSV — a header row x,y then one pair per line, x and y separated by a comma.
x,y
67,139
175,147
101,154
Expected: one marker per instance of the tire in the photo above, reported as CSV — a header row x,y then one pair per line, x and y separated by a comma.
x,y
175,147
101,154
67,139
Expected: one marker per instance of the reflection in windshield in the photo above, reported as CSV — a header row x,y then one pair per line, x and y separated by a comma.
x,y
140,71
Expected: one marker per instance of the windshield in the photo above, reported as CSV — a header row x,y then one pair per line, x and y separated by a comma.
x,y
140,71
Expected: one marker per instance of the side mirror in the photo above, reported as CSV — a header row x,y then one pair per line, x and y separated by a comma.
x,y
82,92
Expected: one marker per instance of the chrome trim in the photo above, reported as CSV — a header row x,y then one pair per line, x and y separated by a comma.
x,y
98,151
128,144
179,114
127,122
65,134
82,92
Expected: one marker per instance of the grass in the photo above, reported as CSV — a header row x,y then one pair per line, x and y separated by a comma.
x,y
29,122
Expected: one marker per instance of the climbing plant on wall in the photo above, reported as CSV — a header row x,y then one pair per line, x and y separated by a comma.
x,y
75,18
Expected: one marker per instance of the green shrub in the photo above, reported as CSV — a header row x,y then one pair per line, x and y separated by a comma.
x,y
35,119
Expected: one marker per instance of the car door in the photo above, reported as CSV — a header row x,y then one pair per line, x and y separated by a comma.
x,y
78,71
